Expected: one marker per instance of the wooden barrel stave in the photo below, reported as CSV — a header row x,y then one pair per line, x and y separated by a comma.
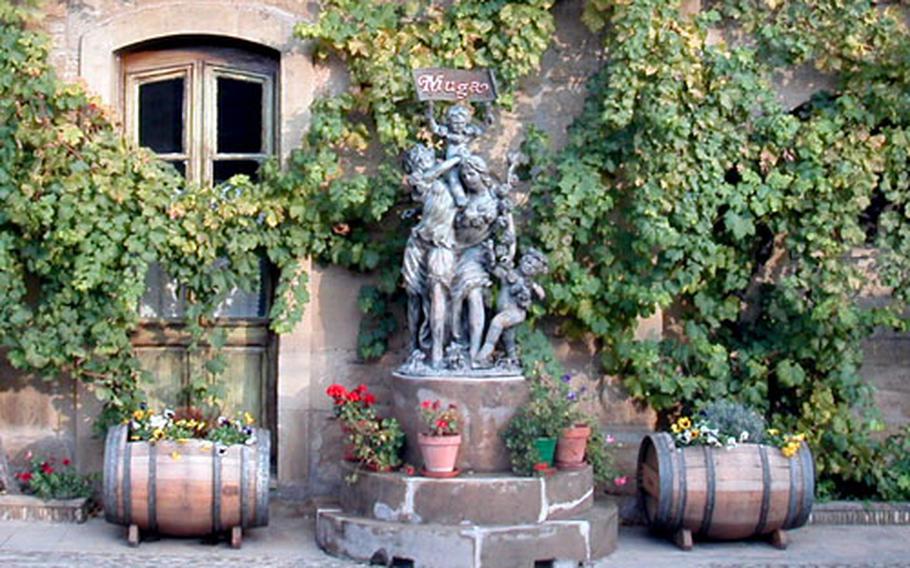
x,y
185,488
752,490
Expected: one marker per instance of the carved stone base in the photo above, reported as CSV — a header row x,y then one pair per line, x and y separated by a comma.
x,y
486,404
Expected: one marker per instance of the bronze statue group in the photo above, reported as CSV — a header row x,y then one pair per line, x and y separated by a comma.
x,y
465,239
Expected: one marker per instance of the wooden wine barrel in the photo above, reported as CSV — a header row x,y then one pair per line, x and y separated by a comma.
x,y
720,493
185,488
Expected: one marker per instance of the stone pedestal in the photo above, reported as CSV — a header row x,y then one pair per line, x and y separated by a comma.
x,y
485,404
486,517
473,521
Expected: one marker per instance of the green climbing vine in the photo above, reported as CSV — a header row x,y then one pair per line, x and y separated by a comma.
x,y
688,187
85,213
685,186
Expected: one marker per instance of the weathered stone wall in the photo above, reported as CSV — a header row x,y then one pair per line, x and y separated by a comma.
x,y
322,349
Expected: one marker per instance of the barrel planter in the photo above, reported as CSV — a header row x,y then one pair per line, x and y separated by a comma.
x,y
185,488
724,493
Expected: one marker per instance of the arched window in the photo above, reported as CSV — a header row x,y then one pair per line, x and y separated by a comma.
x,y
206,105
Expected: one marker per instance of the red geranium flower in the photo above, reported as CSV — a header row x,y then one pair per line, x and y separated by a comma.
x,y
47,468
25,476
369,399
354,396
541,466
362,388
336,391
442,424
426,404
66,461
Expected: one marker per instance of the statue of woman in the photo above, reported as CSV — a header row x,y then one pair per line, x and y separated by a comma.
x,y
485,223
429,255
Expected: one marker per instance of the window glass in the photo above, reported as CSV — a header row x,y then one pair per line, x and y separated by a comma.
x,y
161,115
224,169
239,116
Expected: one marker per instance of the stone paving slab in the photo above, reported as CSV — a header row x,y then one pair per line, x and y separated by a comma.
x,y
290,541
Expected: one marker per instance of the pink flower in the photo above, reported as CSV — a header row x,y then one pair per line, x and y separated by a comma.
x,y
610,439
620,481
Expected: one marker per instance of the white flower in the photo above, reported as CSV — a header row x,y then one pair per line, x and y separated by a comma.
x,y
743,436
157,421
731,442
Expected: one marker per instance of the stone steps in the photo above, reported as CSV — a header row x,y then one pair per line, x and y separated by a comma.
x,y
477,499
582,538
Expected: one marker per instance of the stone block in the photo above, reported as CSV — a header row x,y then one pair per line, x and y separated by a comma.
x,y
580,539
569,493
481,499
29,508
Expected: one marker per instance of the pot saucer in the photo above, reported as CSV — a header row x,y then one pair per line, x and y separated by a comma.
x,y
440,474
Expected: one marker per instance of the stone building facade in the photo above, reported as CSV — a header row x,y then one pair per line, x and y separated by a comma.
x,y
92,41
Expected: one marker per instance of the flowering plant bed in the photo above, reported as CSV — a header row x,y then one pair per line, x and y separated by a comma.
x,y
47,479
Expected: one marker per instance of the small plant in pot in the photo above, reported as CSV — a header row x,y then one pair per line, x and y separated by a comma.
x,y
440,439
553,410
572,444
532,434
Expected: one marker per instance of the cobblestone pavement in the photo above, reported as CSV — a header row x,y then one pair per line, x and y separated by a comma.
x,y
289,542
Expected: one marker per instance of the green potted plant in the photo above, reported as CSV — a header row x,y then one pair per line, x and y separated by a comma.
x,y
440,439
349,407
372,441
553,411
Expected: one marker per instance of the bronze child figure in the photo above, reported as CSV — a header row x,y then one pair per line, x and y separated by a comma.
x,y
516,292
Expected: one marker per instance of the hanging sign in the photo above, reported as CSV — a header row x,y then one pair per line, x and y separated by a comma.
x,y
441,84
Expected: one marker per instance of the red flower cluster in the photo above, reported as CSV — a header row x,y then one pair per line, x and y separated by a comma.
x,y
47,468
439,420
350,405
24,476
342,395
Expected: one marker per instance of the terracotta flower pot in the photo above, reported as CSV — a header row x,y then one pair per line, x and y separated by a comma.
x,y
570,449
439,452
546,447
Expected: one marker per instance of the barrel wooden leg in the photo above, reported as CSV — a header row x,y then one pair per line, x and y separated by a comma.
x,y
683,539
132,536
236,537
779,539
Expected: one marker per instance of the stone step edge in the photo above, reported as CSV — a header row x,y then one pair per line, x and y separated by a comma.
x,y
603,514
558,498
860,513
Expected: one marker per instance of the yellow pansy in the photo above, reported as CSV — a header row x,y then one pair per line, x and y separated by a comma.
x,y
800,437
696,432
675,428
790,449
684,423
773,431
248,418
138,414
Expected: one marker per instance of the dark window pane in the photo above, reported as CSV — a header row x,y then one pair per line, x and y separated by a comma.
x,y
161,115
180,167
239,116
224,169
